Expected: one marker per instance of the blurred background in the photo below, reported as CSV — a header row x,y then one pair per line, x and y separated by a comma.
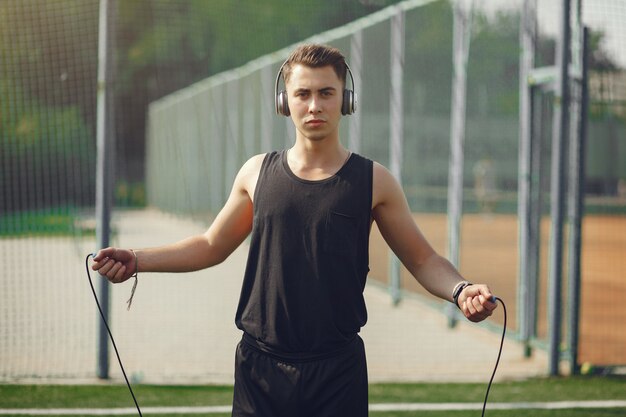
x,y
191,90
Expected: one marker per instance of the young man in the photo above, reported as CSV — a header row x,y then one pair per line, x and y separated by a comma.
x,y
309,209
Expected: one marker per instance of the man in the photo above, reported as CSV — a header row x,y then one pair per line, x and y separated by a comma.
x,y
309,209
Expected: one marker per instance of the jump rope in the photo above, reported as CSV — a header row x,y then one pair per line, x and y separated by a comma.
x,y
104,320
119,360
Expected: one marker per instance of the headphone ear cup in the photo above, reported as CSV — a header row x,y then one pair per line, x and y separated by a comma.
x,y
348,106
282,107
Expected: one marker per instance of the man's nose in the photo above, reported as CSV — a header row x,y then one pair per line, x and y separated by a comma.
x,y
314,105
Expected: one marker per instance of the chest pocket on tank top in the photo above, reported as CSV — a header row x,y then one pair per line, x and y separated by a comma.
x,y
341,233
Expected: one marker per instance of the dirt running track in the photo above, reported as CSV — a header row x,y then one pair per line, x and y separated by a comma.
x,y
489,254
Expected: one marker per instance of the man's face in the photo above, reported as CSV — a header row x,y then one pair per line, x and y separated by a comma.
x,y
315,96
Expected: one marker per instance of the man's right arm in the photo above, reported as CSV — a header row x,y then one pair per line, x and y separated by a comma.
x,y
229,229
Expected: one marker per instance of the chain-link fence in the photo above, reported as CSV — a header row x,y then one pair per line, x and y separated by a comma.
x,y
198,136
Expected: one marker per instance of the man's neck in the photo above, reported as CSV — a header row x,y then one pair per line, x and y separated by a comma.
x,y
316,160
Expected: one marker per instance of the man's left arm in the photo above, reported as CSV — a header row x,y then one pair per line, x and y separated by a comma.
x,y
436,274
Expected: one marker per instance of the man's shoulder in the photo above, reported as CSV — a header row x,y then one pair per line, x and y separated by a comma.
x,y
249,174
380,170
253,164
385,185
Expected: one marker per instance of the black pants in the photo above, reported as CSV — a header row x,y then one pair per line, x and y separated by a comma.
x,y
269,386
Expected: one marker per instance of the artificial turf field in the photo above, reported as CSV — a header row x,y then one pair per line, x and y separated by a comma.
x,y
94,398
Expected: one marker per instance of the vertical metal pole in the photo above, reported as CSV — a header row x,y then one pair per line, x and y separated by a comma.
x,y
576,207
558,192
248,112
104,165
233,132
356,66
220,114
461,39
538,176
528,31
267,107
396,128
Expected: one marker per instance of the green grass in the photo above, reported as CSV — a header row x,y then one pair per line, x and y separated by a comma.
x,y
534,390
549,389
35,223
81,396
53,222
505,413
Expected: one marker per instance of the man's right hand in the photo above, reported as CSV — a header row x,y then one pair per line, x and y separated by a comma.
x,y
117,265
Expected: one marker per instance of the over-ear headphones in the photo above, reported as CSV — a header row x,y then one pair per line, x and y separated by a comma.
x,y
348,105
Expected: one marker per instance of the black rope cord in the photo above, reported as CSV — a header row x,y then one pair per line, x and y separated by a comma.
x,y
495,368
93,290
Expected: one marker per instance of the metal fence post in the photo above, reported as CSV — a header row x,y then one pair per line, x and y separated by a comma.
x,y
461,39
576,206
558,191
104,164
396,128
528,29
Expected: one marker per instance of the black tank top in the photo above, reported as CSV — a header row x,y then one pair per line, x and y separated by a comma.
x,y
308,261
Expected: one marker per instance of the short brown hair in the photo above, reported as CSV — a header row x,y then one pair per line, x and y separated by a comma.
x,y
316,56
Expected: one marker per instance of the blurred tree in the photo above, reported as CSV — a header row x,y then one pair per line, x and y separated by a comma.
x,y
429,41
47,96
493,68
48,49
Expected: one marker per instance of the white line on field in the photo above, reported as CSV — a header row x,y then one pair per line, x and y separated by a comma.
x,y
552,405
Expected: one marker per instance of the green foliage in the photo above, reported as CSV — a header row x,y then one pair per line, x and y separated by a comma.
x,y
47,152
429,41
48,49
493,68
131,194
46,142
